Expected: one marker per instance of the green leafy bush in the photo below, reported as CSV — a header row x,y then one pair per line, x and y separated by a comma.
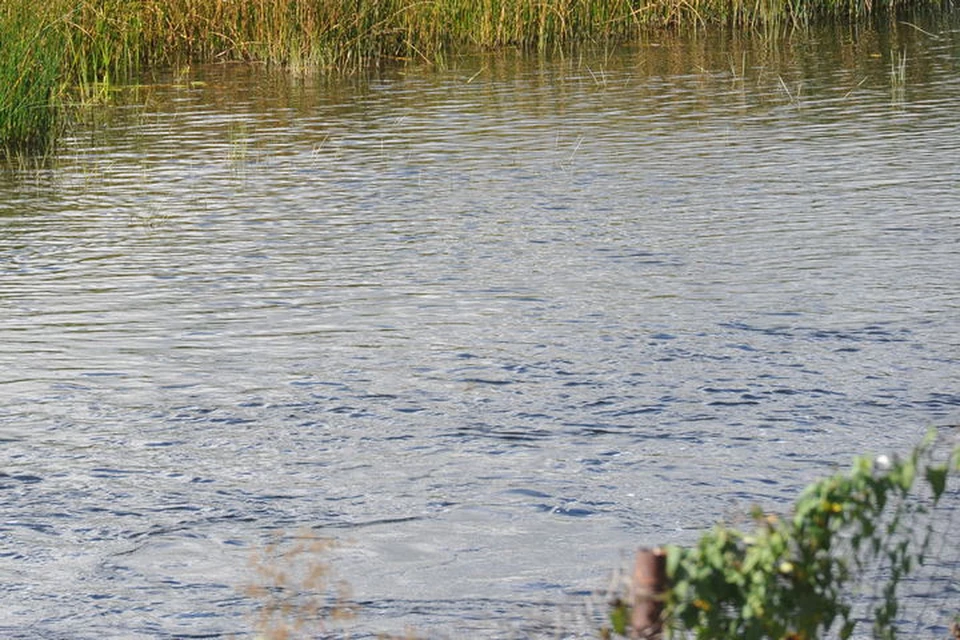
x,y
795,578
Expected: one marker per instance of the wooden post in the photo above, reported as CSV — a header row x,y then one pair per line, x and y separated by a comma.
x,y
647,588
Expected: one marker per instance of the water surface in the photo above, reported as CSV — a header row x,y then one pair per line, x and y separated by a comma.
x,y
491,326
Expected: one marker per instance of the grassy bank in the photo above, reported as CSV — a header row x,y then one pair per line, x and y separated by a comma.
x,y
48,47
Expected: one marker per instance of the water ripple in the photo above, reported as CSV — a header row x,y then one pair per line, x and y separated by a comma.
x,y
487,335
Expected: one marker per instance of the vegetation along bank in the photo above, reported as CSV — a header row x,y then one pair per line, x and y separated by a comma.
x,y
58,51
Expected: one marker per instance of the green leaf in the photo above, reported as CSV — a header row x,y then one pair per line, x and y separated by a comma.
x,y
847,629
674,557
619,617
937,477
908,470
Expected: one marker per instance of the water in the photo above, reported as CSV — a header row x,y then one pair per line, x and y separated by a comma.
x,y
491,327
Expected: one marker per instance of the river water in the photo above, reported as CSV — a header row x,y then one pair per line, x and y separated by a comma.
x,y
490,327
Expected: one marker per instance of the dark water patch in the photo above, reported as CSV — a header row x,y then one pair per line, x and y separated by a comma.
x,y
528,492
487,381
940,400
375,522
38,527
869,333
505,433
598,428
10,480
102,472
638,411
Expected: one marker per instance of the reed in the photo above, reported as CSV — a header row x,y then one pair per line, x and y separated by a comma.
x,y
117,36
31,47
48,45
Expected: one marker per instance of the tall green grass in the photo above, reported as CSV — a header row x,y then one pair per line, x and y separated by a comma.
x,y
47,45
31,46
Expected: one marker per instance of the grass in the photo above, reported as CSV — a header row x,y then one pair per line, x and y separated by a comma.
x,y
52,46
111,36
30,80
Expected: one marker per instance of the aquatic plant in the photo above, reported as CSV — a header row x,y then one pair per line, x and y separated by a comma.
x,y
796,577
117,36
46,47
296,594
31,49
294,591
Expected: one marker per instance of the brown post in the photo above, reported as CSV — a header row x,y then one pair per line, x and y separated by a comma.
x,y
647,588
